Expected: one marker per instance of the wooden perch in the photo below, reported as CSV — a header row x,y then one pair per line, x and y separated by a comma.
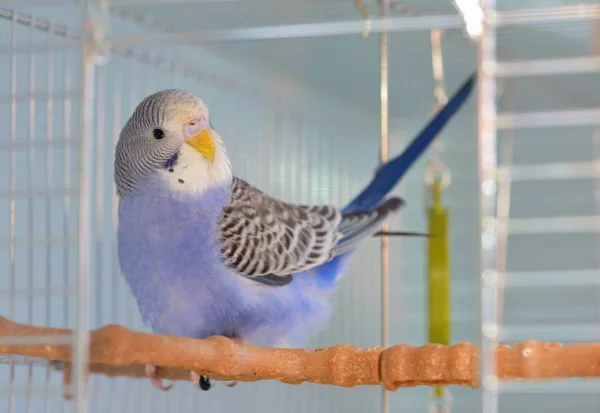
x,y
117,351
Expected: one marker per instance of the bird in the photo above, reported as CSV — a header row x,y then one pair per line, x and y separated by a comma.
x,y
205,253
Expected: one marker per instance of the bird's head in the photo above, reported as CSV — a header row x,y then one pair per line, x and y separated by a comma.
x,y
169,135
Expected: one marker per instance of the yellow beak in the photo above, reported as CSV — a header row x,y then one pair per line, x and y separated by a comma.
x,y
203,143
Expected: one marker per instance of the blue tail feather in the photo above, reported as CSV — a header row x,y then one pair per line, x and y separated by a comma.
x,y
389,174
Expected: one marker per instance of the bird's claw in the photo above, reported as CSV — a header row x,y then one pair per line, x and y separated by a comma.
x,y
203,381
156,382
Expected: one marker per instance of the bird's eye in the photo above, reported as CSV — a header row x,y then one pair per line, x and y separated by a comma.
x,y
158,133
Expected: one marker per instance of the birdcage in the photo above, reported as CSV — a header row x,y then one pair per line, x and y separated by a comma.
x,y
311,98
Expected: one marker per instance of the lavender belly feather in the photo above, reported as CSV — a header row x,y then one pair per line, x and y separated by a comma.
x,y
169,255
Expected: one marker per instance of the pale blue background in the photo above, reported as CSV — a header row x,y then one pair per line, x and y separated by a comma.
x,y
300,118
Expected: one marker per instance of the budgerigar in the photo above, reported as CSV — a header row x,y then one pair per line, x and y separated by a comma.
x,y
205,253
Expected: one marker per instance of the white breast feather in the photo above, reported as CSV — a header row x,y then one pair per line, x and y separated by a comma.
x,y
193,174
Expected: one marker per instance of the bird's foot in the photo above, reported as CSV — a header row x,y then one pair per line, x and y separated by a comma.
x,y
203,381
156,382
200,381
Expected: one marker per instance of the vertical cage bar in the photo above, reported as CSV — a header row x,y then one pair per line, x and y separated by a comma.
x,y
503,204
68,108
487,180
99,218
66,254
86,114
49,174
12,178
596,146
30,195
116,308
385,396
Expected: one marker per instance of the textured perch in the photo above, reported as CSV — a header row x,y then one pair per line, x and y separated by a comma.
x,y
117,351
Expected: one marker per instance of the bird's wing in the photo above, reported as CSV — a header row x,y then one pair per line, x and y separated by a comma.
x,y
268,240
261,236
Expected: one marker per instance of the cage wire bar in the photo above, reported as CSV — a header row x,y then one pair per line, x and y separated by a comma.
x,y
495,188
93,16
385,242
487,201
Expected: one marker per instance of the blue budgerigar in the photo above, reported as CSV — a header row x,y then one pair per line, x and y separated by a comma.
x,y
205,253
